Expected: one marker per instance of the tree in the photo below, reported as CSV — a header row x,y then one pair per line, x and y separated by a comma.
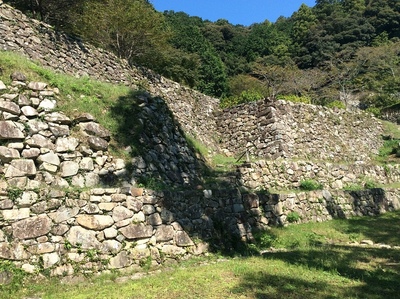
x,y
130,28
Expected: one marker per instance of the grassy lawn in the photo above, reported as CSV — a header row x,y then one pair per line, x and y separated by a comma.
x,y
314,260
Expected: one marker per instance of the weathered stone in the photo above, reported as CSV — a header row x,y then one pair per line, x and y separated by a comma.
x,y
68,168
37,86
121,213
29,111
60,230
18,76
2,85
41,248
91,179
31,153
172,250
67,144
16,214
137,231
136,191
10,130
86,164
57,118
138,217
95,222
148,209
15,251
20,168
164,233
96,143
155,219
36,126
84,117
134,204
39,141
8,154
9,107
50,259
32,227
47,104
78,235
59,130
111,246
182,239
50,158
121,260
63,214
94,129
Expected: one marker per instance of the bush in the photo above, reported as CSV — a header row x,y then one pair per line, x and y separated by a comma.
x,y
310,185
293,217
246,96
336,104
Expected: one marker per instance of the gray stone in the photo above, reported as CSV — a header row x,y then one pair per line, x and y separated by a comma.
x,y
32,227
29,111
20,168
15,251
78,235
35,126
86,164
84,117
121,260
10,130
137,231
182,239
57,118
155,219
97,143
50,259
16,214
164,233
9,107
63,214
47,105
121,213
39,141
59,130
50,158
138,217
95,222
171,250
31,153
68,168
37,86
8,154
2,85
94,129
18,76
111,246
67,144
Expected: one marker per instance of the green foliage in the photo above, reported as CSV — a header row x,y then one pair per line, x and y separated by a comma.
x,y
12,276
14,193
370,184
309,185
245,97
336,104
293,217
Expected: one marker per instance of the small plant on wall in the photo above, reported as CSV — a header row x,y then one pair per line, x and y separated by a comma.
x,y
293,217
310,185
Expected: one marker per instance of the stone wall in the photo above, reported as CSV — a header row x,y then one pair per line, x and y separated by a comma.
x,y
272,129
65,54
284,174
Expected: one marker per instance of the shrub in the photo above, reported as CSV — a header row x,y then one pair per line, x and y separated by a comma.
x,y
310,185
295,99
293,217
336,104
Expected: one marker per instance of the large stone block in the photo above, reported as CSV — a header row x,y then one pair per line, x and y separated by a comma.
x,y
10,130
32,227
137,231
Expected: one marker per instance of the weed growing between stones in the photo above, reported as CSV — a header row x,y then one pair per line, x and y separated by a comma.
x,y
310,185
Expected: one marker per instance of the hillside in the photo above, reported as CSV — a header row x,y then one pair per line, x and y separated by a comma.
x,y
107,166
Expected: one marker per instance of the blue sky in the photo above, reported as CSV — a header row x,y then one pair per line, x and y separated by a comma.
x,y
243,12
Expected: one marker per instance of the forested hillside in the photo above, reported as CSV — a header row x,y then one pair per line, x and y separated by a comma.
x,y
337,53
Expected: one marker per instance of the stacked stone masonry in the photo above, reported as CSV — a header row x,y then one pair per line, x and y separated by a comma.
x,y
59,212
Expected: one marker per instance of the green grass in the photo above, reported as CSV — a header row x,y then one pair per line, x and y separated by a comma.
x,y
312,260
